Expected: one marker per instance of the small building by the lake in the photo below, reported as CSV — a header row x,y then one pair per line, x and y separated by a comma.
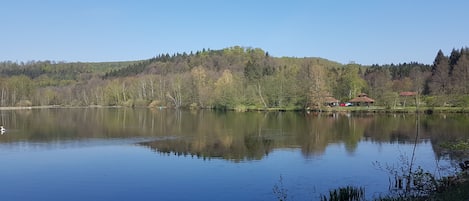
x,y
331,101
362,100
406,94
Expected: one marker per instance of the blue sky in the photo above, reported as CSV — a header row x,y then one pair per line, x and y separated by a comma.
x,y
365,32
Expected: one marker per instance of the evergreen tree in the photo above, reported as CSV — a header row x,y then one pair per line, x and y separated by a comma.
x,y
460,75
252,71
454,57
440,81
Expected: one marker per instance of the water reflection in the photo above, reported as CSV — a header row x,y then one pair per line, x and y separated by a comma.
x,y
94,153
229,135
311,133
252,148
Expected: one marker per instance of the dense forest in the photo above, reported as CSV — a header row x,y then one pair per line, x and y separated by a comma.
x,y
233,78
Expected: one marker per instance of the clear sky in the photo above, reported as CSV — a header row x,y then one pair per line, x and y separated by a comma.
x,y
362,31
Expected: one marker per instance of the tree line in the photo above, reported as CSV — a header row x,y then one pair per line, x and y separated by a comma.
x,y
232,78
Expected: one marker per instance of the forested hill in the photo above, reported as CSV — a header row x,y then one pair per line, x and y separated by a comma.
x,y
234,59
231,78
59,70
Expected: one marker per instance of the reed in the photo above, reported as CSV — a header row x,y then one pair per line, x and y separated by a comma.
x,y
348,193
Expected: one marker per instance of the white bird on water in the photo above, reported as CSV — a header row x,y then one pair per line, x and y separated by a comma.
x,y
2,130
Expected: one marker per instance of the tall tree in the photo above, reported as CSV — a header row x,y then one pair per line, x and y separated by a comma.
x,y
380,85
350,83
178,89
315,84
227,90
286,87
460,75
453,58
202,87
440,80
20,88
253,74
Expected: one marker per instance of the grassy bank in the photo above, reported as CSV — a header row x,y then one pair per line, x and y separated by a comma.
x,y
379,109
359,109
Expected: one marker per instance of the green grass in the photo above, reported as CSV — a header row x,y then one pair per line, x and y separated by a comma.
x,y
411,109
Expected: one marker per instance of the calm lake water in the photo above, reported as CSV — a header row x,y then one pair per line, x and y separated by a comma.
x,y
140,154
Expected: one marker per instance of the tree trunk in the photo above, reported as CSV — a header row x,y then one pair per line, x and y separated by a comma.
x,y
260,94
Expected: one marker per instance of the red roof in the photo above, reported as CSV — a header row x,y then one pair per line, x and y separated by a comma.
x,y
362,99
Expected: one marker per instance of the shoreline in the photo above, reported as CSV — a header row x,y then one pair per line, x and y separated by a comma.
x,y
373,109
54,107
28,107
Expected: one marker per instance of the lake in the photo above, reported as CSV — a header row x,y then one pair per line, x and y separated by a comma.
x,y
142,154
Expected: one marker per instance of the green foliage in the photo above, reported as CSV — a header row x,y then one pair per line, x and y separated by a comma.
x,y
433,101
24,103
461,101
226,91
252,71
401,71
350,83
389,99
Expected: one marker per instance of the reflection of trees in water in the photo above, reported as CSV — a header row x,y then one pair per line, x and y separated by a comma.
x,y
392,128
256,135
401,128
324,129
447,128
254,148
233,135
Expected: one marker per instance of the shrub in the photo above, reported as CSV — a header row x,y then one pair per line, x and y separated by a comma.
x,y
24,103
155,104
